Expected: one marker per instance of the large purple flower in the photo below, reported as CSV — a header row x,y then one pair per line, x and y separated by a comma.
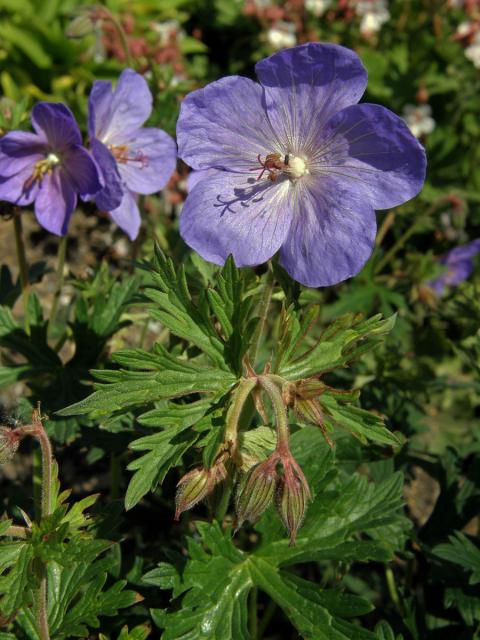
x,y
458,265
132,160
48,167
298,165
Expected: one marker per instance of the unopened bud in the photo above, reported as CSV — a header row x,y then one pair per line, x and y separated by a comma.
x,y
255,493
82,24
197,485
9,441
292,497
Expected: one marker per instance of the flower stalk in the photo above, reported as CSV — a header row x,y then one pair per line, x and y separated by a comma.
x,y
62,252
22,264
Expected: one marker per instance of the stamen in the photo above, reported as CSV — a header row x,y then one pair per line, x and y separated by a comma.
x,y
123,156
41,169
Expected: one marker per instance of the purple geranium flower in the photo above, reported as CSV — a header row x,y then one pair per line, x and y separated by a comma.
x,y
459,265
299,166
132,160
48,167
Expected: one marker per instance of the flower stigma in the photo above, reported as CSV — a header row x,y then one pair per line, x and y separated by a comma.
x,y
297,167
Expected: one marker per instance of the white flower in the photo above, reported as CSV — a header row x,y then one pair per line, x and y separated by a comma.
x,y
374,13
463,29
282,35
419,119
317,7
472,52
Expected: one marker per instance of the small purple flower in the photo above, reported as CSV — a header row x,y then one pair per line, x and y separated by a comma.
x,y
132,160
459,266
297,165
48,167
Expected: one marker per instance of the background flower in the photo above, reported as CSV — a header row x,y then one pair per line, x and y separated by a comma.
x,y
48,167
459,266
132,160
334,162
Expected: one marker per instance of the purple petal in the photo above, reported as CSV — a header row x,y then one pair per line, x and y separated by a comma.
x,y
18,150
55,203
127,215
195,176
18,188
331,237
152,159
224,125
228,214
374,152
304,86
82,170
464,252
56,124
454,275
113,117
111,195
99,103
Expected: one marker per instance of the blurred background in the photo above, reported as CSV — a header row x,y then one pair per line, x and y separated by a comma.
x,y
423,61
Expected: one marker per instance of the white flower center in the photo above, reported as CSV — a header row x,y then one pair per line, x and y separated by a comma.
x,y
297,167
53,159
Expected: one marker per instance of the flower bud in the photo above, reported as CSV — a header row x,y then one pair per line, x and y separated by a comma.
x,y
9,441
197,485
292,497
255,493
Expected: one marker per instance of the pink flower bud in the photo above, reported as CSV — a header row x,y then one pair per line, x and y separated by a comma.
x,y
9,441
255,493
293,494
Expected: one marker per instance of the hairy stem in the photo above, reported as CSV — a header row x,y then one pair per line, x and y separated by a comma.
x,y
263,307
281,417
37,430
240,395
62,252
42,610
22,264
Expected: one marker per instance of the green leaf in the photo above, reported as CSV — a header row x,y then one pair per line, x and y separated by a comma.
x,y
15,586
217,579
363,424
463,552
137,388
27,42
344,341
350,520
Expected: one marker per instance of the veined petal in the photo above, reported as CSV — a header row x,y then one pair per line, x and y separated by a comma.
x,y
99,103
332,234
114,116
18,188
55,203
304,86
111,194
195,176
373,151
152,157
127,215
82,170
55,123
231,214
224,125
18,150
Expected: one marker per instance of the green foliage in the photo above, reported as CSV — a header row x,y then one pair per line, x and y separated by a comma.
x,y
217,578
